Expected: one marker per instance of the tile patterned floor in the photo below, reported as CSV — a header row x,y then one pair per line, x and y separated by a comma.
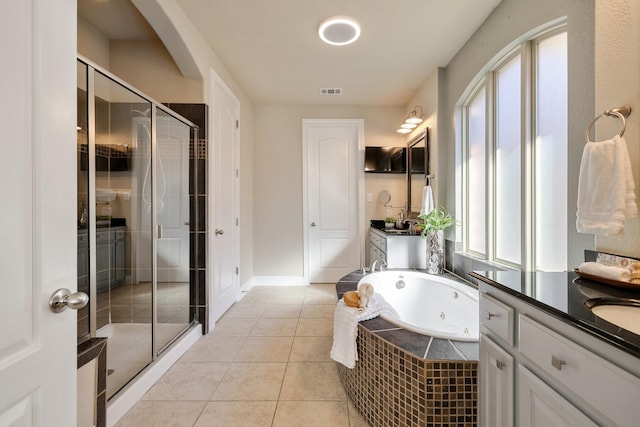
x,y
265,364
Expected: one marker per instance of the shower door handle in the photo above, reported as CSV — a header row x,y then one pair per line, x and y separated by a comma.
x,y
63,299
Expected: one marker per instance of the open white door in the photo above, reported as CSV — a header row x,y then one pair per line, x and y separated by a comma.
x,y
224,154
332,197
38,227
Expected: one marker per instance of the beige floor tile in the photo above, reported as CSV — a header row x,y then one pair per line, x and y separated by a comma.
x,y
275,328
246,310
212,348
231,414
162,414
234,327
311,414
265,349
317,311
282,311
355,417
315,328
321,294
311,349
251,381
188,381
312,381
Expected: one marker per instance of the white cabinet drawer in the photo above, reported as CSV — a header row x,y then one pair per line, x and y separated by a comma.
x,y
598,382
497,317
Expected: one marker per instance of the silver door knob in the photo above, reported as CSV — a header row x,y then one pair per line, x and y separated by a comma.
x,y
218,232
63,299
313,224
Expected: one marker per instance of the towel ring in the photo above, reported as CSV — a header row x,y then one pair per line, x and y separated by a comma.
x,y
618,112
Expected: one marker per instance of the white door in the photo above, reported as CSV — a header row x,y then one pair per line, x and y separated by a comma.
x,y
223,209
332,151
38,226
172,199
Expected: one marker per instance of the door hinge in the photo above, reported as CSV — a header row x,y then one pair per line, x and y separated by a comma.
x,y
237,270
237,173
237,221
237,124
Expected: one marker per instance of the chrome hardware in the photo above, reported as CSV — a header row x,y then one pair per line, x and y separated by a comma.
x,y
313,224
219,232
63,299
400,284
489,315
557,363
500,364
159,231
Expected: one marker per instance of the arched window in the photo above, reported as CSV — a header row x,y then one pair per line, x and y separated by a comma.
x,y
514,152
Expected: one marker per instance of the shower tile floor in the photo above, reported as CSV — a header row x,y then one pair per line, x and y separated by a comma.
x,y
266,363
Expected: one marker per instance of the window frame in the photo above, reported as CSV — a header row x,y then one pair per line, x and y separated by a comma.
x,y
527,48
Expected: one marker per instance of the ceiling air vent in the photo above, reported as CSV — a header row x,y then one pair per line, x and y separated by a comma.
x,y
331,91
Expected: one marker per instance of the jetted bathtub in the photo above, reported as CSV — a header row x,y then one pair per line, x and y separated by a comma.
x,y
428,304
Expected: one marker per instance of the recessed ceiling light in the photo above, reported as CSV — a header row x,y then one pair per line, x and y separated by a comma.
x,y
339,30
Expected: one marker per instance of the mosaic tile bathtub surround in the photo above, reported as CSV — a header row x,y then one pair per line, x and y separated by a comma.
x,y
392,387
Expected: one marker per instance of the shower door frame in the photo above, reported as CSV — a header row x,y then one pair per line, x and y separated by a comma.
x,y
157,349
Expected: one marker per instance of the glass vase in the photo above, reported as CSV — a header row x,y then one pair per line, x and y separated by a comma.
x,y
435,251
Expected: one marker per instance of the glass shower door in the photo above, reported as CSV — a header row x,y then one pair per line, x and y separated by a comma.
x,y
123,236
171,162
134,223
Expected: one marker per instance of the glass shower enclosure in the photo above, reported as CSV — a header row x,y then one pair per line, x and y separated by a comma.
x,y
134,213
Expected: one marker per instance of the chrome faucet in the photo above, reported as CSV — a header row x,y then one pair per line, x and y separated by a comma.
x,y
375,262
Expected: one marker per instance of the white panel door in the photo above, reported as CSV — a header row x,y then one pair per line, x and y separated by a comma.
x,y
172,199
332,163
38,227
224,199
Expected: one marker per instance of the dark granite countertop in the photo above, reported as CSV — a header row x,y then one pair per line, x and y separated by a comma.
x,y
394,231
423,346
562,295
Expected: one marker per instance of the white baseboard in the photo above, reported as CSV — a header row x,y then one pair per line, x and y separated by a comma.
x,y
274,281
136,389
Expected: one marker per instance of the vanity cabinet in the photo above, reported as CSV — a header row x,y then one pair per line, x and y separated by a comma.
x,y
398,251
110,258
536,370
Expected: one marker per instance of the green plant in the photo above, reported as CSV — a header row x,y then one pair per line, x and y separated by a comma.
x,y
389,219
437,219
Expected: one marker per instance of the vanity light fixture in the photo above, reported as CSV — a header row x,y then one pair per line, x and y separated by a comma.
x,y
339,30
412,121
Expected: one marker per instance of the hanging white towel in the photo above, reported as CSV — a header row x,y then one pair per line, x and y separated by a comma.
x,y
427,200
345,327
606,191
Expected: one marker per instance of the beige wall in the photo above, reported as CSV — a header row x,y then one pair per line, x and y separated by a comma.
x,y
144,64
147,65
617,53
92,44
278,228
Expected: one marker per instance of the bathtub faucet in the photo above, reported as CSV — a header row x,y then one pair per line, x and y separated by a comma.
x,y
376,262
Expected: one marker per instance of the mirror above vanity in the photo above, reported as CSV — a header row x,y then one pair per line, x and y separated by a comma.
x,y
417,171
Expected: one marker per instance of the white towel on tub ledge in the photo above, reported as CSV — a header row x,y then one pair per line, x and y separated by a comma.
x,y
345,327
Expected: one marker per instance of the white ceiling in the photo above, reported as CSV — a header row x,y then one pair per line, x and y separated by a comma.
x,y
273,50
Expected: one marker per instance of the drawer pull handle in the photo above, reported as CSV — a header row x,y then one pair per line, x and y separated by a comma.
x,y
489,315
557,363
500,364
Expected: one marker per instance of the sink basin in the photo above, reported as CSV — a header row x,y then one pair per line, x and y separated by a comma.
x,y
622,312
